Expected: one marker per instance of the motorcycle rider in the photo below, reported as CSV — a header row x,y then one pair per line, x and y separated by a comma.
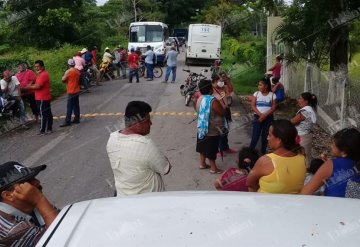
x,y
106,64
10,87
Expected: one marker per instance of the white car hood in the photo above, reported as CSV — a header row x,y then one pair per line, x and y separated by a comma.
x,y
207,219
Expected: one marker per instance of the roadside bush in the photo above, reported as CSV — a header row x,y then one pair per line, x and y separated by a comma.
x,y
250,59
55,63
247,81
113,41
10,64
4,48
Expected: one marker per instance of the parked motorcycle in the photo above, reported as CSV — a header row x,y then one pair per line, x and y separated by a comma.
x,y
191,85
9,108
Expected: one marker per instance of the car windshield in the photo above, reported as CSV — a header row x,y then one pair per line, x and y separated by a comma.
x,y
146,33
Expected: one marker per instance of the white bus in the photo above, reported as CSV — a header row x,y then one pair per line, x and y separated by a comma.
x,y
142,34
204,42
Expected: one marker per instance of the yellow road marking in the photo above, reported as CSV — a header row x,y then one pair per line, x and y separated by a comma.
x,y
102,114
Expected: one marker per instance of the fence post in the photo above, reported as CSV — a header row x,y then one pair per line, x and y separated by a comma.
x,y
343,103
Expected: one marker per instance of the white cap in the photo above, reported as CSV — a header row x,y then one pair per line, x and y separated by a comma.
x,y
71,62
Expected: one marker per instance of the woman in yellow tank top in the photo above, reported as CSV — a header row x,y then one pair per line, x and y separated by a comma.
x,y
282,171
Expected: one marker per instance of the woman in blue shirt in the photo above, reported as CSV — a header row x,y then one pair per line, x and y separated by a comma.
x,y
344,166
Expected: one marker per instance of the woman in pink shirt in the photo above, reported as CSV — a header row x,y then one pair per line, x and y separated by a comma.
x,y
27,77
276,69
79,65
79,61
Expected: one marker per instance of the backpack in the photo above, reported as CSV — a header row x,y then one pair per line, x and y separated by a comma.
x,y
280,94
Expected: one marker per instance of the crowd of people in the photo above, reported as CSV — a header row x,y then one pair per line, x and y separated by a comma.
x,y
29,88
285,166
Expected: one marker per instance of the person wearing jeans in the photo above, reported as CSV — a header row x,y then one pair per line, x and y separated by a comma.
x,y
46,116
263,104
261,129
72,106
133,60
149,62
123,61
220,92
10,87
72,79
170,59
27,76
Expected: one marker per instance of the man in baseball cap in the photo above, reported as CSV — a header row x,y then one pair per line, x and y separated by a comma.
x,y
25,213
10,88
72,80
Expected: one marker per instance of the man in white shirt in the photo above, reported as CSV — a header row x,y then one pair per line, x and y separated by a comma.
x,y
135,160
149,62
10,87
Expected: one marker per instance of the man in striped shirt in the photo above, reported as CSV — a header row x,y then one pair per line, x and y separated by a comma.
x,y
25,213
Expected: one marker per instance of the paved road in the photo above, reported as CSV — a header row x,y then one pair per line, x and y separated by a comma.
x,y
78,166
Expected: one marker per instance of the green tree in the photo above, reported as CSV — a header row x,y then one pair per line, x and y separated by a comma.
x,y
181,12
314,36
45,23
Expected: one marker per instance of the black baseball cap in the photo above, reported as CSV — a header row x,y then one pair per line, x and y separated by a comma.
x,y
13,172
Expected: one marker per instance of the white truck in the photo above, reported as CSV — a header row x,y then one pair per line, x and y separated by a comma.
x,y
204,43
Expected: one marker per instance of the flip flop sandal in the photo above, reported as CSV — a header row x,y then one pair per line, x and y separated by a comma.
x,y
205,167
216,172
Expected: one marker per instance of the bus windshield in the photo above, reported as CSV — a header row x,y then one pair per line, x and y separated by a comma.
x,y
146,33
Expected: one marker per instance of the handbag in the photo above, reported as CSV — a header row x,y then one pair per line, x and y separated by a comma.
x,y
233,180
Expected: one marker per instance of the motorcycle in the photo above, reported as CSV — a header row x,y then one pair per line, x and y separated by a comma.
x,y
191,86
9,108
106,69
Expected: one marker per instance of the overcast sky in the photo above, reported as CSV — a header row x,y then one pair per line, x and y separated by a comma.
x,y
101,2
